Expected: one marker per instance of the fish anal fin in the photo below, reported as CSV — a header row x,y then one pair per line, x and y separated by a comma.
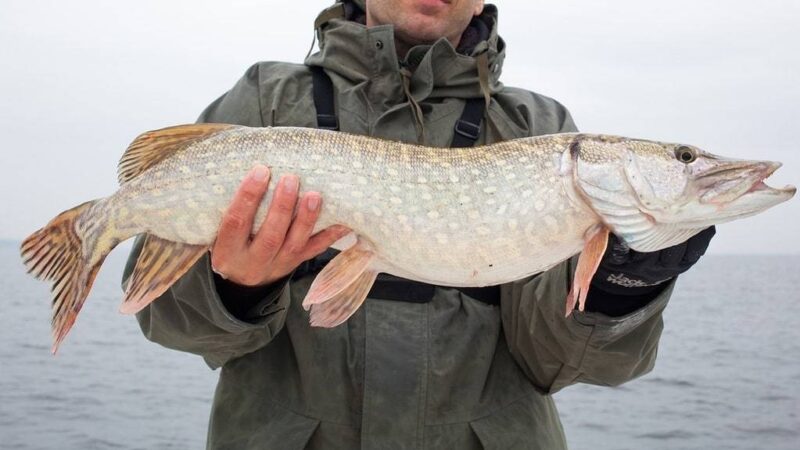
x,y
160,264
339,274
596,240
344,304
151,147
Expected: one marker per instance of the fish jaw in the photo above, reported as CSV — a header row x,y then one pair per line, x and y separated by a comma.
x,y
730,179
722,190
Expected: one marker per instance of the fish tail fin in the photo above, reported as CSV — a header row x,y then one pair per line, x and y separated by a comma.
x,y
68,252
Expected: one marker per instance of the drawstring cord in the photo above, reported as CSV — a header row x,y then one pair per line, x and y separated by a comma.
x,y
337,11
416,110
483,77
482,61
313,41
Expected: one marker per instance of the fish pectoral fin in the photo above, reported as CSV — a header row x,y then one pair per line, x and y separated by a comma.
x,y
150,148
159,265
343,270
344,304
596,240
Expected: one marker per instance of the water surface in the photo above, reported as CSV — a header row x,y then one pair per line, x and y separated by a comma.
x,y
727,374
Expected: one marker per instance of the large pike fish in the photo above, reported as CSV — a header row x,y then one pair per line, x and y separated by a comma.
x,y
446,216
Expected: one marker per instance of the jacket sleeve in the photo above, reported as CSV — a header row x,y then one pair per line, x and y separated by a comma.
x,y
587,347
190,316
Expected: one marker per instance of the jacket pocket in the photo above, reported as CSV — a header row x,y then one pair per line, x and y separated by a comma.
x,y
287,430
529,423
281,429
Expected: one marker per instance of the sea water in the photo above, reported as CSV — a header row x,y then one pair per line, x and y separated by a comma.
x,y
727,374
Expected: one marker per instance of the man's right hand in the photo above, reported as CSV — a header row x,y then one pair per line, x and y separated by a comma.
x,y
283,241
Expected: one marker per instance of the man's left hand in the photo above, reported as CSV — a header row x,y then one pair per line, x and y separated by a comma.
x,y
624,271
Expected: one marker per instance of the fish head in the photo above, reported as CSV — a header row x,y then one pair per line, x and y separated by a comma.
x,y
655,195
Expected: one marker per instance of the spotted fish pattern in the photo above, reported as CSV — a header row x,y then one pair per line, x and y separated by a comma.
x,y
447,216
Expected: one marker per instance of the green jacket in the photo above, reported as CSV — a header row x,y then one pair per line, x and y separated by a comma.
x,y
451,373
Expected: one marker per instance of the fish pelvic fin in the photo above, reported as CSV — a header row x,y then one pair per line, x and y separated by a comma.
x,y
160,264
596,241
341,286
68,252
152,147
344,304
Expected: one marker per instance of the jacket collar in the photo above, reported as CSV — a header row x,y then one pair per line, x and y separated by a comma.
x,y
366,57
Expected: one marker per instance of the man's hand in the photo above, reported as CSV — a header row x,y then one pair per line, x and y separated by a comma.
x,y
627,280
282,242
627,272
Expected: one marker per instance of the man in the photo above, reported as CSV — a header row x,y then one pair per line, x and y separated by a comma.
x,y
417,366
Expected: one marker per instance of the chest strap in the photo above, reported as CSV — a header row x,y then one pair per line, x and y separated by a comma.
x,y
389,287
323,100
468,126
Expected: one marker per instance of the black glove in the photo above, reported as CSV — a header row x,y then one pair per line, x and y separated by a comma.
x,y
640,276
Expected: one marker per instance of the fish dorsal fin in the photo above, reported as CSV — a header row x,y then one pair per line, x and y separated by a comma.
x,y
151,147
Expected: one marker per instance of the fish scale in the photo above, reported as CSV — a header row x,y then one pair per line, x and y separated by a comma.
x,y
462,217
438,215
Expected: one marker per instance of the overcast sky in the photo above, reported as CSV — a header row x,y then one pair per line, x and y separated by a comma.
x,y
80,79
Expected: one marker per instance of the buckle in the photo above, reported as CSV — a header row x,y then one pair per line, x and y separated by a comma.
x,y
468,130
327,122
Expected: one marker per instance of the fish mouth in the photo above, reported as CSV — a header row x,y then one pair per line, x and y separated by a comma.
x,y
729,181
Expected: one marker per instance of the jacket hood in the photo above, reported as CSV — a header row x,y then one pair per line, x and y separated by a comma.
x,y
367,56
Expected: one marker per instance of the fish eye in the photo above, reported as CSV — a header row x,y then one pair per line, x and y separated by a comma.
x,y
685,154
